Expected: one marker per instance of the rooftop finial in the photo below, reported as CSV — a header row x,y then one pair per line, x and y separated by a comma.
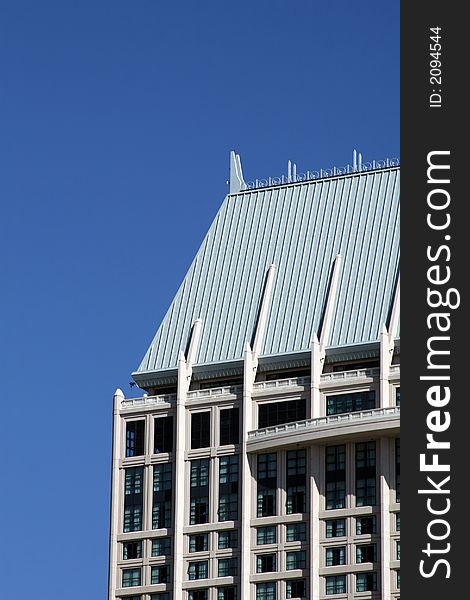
x,y
236,181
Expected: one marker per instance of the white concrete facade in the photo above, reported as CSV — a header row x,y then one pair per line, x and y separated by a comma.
x,y
314,434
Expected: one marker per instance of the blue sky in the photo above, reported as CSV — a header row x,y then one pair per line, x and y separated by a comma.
x,y
116,122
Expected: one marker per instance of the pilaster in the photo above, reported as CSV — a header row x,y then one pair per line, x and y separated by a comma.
x,y
246,476
315,474
179,466
385,474
115,495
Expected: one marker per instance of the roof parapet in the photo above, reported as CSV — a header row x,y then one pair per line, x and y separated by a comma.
x,y
357,166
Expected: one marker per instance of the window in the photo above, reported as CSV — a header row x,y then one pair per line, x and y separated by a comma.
x,y
397,521
345,403
296,481
229,426
199,543
276,413
265,563
267,484
397,396
366,525
200,472
335,528
131,577
336,556
296,463
228,488
133,598
132,550
336,584
296,499
161,515
366,553
267,466
163,435
365,491
132,518
335,477
266,503
228,539
265,591
200,430
162,477
296,532
335,494
198,594
296,560
227,593
228,567
199,510
135,437
366,582
199,492
397,469
228,469
228,507
133,499
160,574
398,549
398,580
198,570
266,535
162,487
159,596
161,546
134,481
365,474
295,588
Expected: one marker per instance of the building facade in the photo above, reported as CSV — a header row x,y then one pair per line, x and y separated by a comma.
x,y
263,460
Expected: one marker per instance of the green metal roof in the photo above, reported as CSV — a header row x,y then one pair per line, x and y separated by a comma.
x,y
300,228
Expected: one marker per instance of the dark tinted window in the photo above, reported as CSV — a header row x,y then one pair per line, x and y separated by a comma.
x,y
135,436
276,413
200,430
163,439
344,403
229,429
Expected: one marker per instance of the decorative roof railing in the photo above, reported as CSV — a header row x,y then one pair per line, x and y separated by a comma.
x,y
281,383
214,392
148,400
308,424
342,375
295,177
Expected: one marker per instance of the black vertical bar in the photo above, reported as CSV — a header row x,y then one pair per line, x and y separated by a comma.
x,y
433,119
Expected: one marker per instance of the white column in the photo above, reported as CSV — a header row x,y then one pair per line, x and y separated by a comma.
x,y
315,474
385,474
316,368
180,492
115,495
385,361
246,477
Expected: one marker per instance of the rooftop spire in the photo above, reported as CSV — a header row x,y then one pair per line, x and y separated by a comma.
x,y
236,181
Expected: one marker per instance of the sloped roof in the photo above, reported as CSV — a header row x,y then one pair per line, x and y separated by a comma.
x,y
300,228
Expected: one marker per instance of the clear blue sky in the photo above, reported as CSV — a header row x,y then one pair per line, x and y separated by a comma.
x,y
116,122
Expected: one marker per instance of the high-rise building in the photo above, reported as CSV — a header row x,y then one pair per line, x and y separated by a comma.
x,y
263,460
